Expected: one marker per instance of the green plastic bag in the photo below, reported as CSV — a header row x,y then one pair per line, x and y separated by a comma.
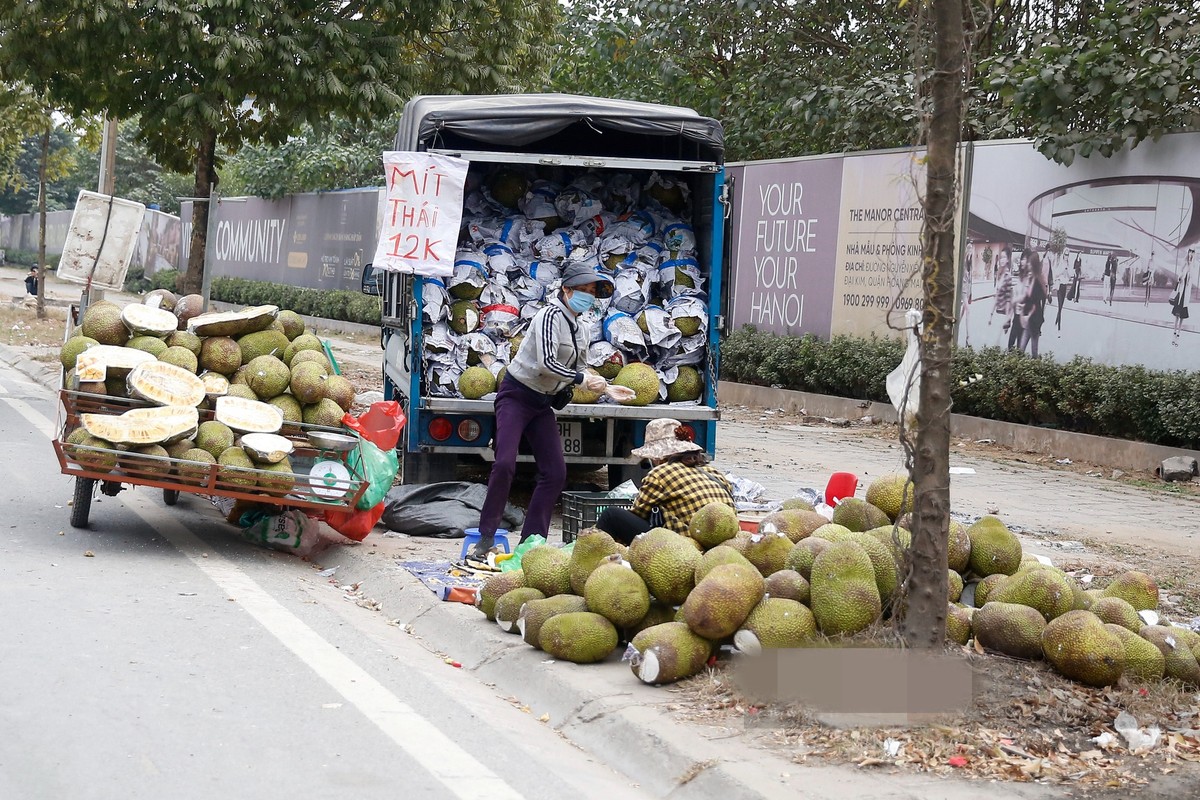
x,y
514,563
377,467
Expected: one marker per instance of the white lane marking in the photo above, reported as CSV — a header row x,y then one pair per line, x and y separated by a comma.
x,y
441,756
32,415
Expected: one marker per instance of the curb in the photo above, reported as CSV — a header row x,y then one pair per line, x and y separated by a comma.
x,y
45,374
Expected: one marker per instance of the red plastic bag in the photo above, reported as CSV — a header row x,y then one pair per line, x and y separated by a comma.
x,y
353,524
380,425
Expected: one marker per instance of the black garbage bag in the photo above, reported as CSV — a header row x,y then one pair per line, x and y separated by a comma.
x,y
441,510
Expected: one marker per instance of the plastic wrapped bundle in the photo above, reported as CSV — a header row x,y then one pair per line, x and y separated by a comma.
x,y
439,341
527,288
622,331
605,358
655,323
670,193
500,260
441,380
538,202
557,246
435,301
473,349
499,311
631,290
470,274
679,237
576,202
689,314
690,350
638,227
544,272
682,275
621,193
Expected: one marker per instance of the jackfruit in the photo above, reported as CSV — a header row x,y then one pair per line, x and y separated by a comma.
x,y
845,598
958,624
293,323
954,586
144,460
688,326
581,637
667,563
1136,588
582,395
713,523
858,515
148,344
325,413
280,481
882,563
340,390
667,653
239,390
234,466
138,426
164,299
464,316
788,585
617,593
220,354
795,523
775,623
215,437
508,606
1116,611
796,504
93,454
958,548
188,308
994,549
687,386
177,449
305,341
267,376
262,343
289,406
547,569
535,613
248,416
592,546
307,382
143,320
768,552
803,553
189,341
896,538
642,379
985,587
194,463
475,382
720,603
1079,647
102,323
1144,662
657,615
311,356
494,587
1047,590
1009,628
180,357
721,554
165,384
1179,662
233,323
609,370
72,348
889,494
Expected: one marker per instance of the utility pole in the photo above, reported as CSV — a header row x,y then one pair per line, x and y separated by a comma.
x,y
105,185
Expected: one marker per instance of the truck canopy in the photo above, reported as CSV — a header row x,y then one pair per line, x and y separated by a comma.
x,y
559,123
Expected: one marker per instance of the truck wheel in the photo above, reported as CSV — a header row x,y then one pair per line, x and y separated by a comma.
x,y
170,496
619,473
429,467
81,505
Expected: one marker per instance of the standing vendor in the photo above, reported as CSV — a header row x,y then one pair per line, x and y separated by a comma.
x,y
549,361
680,484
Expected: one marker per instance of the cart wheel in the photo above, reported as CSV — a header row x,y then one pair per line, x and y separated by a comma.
x,y
82,504
170,496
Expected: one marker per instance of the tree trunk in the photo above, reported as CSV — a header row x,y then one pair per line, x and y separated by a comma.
x,y
925,620
192,280
41,254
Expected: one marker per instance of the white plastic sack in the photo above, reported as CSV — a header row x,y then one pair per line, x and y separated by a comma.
x,y
904,382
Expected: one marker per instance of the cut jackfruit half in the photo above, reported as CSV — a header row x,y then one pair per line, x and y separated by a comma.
x,y
94,363
139,426
149,321
248,416
165,384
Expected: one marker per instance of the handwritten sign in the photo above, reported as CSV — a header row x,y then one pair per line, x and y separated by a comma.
x,y
422,213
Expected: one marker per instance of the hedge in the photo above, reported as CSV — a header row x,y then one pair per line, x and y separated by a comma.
x,y
322,303
28,258
1126,402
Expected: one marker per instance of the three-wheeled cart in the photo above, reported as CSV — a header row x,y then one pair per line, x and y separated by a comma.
x,y
316,482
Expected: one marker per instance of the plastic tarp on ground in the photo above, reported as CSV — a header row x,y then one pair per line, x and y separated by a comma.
x,y
441,510
516,120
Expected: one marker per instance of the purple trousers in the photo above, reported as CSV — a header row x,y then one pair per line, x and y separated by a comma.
x,y
520,411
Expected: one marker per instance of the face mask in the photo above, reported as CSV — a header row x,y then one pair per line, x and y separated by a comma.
x,y
580,302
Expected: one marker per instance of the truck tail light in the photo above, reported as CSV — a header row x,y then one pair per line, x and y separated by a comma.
x,y
440,429
469,430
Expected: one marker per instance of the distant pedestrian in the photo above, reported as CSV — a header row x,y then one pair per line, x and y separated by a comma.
x,y
1064,284
31,281
1033,305
1110,273
1148,280
1002,306
1183,291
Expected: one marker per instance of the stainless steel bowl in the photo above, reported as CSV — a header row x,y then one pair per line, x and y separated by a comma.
x,y
335,442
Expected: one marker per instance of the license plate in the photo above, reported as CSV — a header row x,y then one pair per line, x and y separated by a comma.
x,y
571,434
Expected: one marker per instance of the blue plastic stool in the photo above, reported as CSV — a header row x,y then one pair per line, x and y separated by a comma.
x,y
472,537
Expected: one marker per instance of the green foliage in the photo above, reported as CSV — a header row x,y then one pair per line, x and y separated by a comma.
x,y
1126,402
323,303
27,258
1124,71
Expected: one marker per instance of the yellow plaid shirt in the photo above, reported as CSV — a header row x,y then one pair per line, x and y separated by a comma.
x,y
680,491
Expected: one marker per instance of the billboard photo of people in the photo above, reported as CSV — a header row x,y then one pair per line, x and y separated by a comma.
x,y
1094,260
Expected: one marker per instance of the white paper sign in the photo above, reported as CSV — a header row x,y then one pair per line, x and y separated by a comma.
x,y
422,213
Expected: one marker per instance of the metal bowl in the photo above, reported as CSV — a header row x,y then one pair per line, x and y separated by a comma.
x,y
335,442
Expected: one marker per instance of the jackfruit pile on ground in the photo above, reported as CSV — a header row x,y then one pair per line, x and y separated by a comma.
x,y
256,370
672,600
522,227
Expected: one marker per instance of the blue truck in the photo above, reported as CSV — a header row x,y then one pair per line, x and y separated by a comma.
x,y
655,175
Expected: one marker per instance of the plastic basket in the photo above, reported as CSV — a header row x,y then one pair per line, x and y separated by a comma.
x,y
582,509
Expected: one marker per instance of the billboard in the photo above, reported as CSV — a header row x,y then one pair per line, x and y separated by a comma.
x,y
1097,259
